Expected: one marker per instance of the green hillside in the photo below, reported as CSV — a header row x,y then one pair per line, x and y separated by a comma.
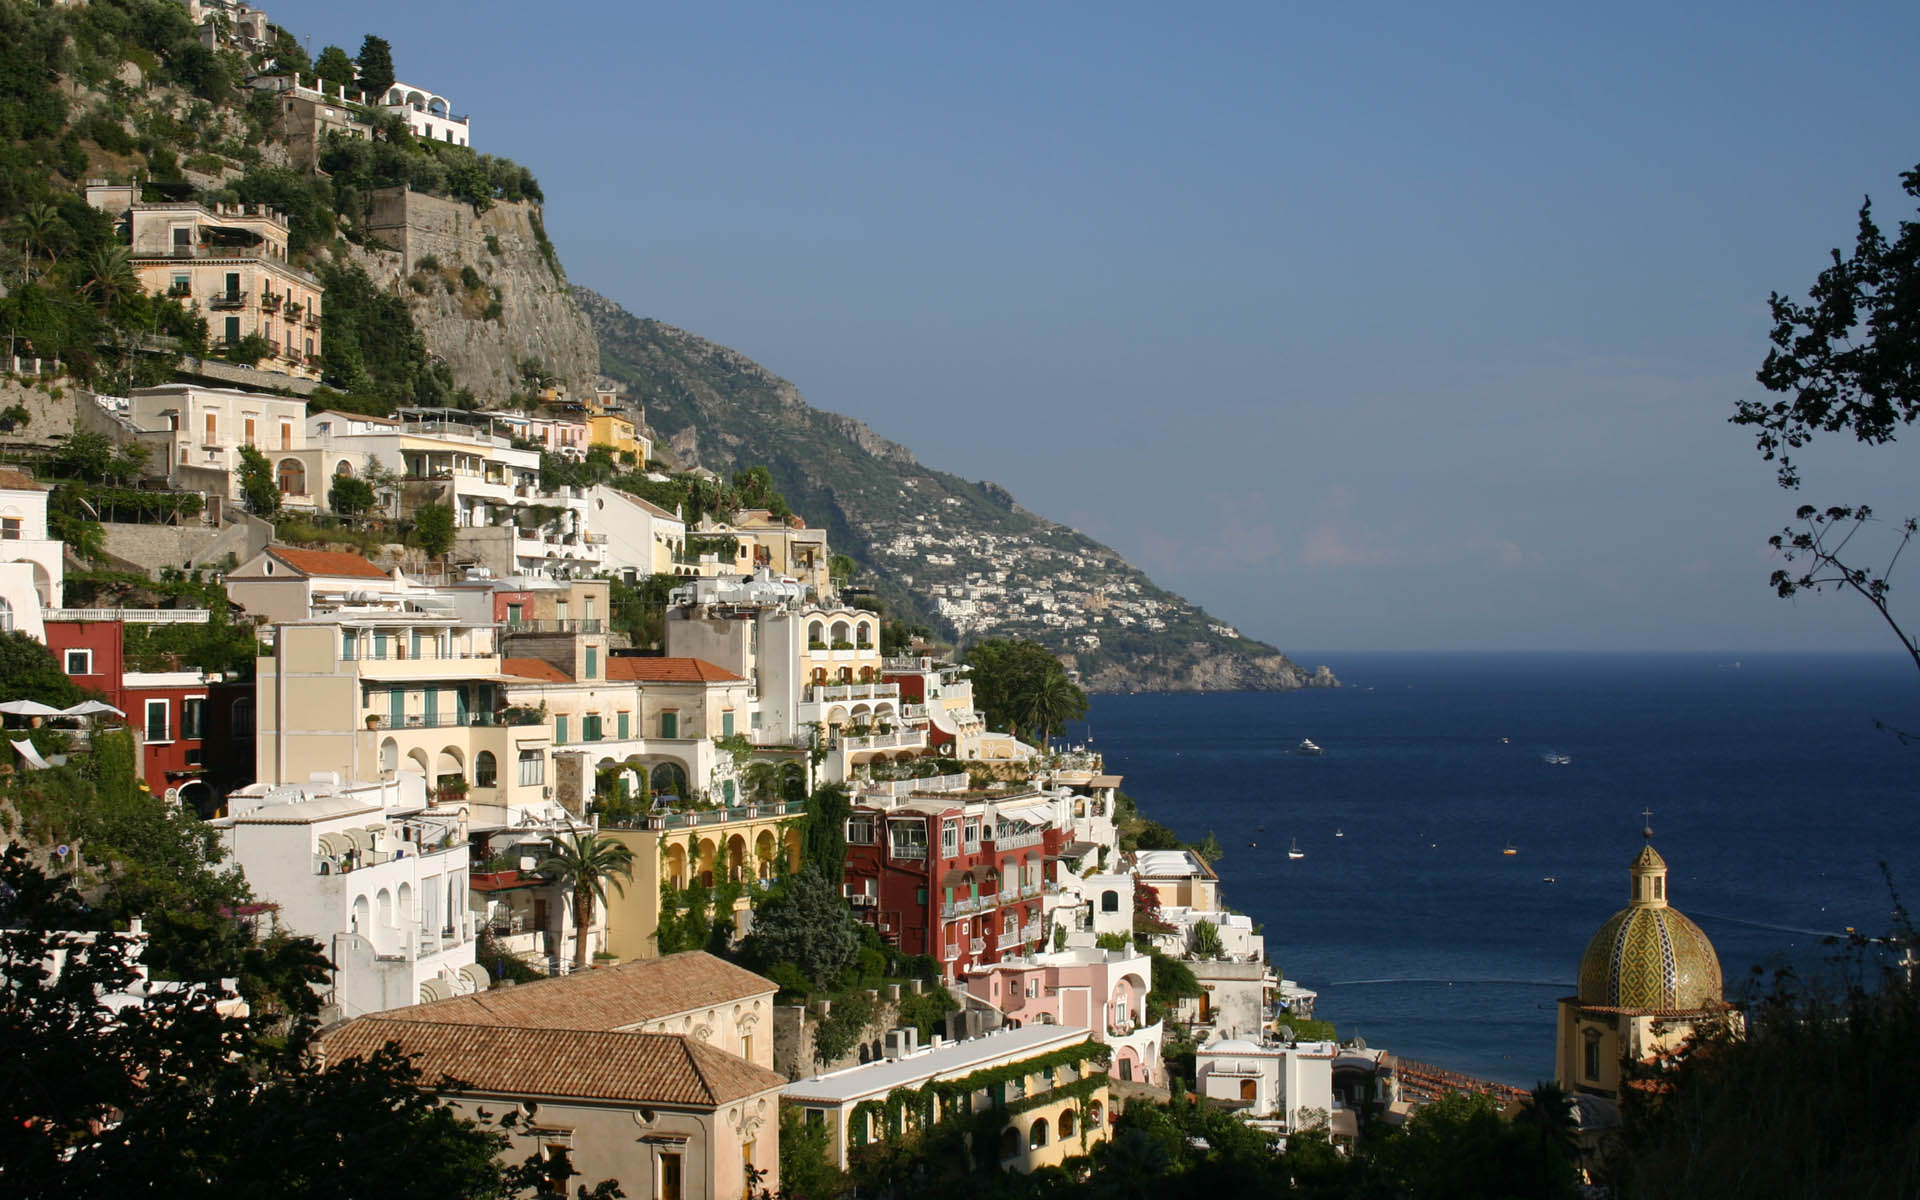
x,y
957,554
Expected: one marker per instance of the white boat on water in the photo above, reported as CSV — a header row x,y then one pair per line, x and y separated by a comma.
x,y
1559,760
1307,746
1294,850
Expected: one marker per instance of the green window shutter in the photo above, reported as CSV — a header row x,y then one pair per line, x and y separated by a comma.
x,y
559,731
623,726
593,663
669,725
396,707
726,724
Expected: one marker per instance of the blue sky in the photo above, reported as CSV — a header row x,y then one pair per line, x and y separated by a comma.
x,y
1403,328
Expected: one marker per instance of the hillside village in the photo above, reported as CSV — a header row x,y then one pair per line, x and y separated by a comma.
x,y
604,790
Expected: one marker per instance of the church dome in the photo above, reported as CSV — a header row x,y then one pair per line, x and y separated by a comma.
x,y
1649,956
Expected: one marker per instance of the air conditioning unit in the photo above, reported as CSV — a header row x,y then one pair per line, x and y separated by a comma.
x,y
902,1041
862,900
546,793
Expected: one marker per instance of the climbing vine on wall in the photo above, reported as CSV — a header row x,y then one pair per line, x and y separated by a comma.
x,y
944,1099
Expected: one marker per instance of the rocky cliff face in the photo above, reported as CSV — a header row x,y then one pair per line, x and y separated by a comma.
x,y
485,290
962,556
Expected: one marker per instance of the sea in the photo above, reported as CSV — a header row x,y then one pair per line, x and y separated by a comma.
x,y
1777,784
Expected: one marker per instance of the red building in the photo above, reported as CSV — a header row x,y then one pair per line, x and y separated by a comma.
x,y
167,710
959,876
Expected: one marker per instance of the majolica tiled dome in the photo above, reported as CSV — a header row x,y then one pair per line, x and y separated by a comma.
x,y
1649,956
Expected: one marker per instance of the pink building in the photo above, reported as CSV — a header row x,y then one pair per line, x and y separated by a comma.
x,y
1101,990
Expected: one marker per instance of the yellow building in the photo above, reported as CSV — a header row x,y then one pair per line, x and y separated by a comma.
x,y
745,844
1648,981
1057,1108
607,426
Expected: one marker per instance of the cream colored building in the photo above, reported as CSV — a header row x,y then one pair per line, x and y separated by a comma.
x,y
363,696
287,583
204,428
1036,1133
1179,878
658,1074
229,263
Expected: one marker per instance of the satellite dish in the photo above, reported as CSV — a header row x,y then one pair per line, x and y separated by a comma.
x,y
1359,1043
1286,1034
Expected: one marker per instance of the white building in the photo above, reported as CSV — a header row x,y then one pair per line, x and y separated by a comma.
x,y
373,874
641,537
427,114
32,565
1281,1088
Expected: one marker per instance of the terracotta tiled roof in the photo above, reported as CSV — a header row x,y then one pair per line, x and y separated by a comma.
x,y
668,670
10,478
326,562
534,668
608,999
641,1068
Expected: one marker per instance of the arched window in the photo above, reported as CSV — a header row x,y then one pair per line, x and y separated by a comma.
x,y
292,477
1249,1090
1093,1113
1109,901
1037,1136
817,635
863,636
6,615
1066,1122
669,779
343,469
1010,1143
485,770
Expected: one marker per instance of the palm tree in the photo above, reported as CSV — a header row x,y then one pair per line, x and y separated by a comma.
x,y
587,863
1053,702
109,271
1548,1109
39,227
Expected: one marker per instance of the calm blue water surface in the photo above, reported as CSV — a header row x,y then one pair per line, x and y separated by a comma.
x,y
1774,797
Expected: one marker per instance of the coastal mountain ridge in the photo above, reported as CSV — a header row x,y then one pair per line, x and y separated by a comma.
x,y
957,555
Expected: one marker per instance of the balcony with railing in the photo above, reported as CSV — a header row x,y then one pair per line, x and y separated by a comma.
x,y
1014,839
899,738
712,816
819,693
227,300
476,719
978,946
558,625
